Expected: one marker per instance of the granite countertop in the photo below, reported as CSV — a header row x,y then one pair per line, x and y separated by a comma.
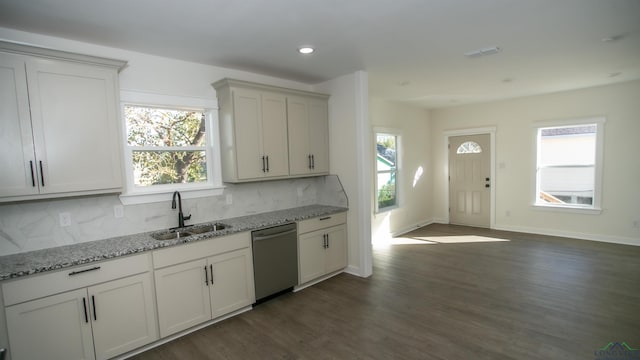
x,y
17,265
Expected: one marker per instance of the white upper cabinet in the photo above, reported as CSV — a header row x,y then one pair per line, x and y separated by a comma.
x,y
308,136
268,132
17,159
259,128
59,124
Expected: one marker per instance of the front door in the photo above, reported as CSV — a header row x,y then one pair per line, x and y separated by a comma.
x,y
469,180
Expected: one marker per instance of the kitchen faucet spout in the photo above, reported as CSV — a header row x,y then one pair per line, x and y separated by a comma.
x,y
181,217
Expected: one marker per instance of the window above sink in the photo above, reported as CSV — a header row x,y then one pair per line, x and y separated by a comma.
x,y
170,143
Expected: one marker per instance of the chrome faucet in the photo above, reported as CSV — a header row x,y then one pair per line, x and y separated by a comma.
x,y
181,217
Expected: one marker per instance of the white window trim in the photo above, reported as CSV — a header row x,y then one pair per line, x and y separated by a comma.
x,y
596,207
160,193
398,134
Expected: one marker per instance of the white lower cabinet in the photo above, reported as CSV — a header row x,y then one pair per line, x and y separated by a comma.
x,y
55,327
85,321
322,246
198,289
123,315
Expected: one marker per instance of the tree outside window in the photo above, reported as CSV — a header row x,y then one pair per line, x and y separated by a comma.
x,y
386,171
166,146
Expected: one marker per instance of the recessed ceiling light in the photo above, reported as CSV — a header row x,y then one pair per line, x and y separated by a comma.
x,y
306,50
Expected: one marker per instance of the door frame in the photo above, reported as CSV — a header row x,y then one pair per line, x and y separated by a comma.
x,y
491,131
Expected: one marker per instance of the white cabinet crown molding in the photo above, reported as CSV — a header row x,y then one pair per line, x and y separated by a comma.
x,y
257,86
25,49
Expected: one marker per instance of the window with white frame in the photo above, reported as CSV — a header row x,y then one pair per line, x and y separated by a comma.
x,y
386,180
569,169
168,147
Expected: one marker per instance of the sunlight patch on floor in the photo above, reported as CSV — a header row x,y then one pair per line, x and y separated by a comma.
x,y
386,241
458,239
400,241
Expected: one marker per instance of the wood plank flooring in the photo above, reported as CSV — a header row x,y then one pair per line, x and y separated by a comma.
x,y
531,297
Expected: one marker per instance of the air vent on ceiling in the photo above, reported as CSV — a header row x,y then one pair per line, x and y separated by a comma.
x,y
482,52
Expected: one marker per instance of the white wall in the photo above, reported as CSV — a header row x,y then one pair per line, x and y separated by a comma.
x,y
415,199
515,159
349,159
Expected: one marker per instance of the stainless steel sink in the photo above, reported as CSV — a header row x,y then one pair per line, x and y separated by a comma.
x,y
207,228
170,235
188,231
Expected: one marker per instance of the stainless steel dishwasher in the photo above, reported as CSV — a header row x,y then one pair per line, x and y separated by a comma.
x,y
275,260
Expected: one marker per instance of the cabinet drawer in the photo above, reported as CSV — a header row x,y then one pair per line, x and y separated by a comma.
x,y
321,222
37,286
200,249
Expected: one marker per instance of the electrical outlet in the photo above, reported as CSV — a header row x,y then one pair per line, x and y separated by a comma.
x,y
507,213
229,199
118,211
300,191
636,224
65,219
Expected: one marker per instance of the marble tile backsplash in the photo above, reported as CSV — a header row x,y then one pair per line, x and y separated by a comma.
x,y
35,225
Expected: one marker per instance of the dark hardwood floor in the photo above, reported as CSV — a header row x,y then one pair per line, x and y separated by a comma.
x,y
451,297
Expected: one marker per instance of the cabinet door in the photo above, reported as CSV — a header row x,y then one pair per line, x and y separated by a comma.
x,y
123,315
274,134
55,327
308,136
17,158
182,296
75,126
311,255
319,135
336,251
232,282
247,110
299,152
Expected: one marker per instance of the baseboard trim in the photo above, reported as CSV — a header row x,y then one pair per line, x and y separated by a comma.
x,y
412,227
571,234
316,281
355,271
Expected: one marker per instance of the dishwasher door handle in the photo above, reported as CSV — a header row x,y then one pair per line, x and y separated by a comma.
x,y
266,237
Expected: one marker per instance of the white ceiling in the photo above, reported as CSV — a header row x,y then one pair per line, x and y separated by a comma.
x,y
412,49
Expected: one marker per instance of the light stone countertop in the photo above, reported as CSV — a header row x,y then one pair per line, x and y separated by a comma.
x,y
33,262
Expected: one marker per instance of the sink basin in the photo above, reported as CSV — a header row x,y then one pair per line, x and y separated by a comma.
x,y
207,228
170,235
188,231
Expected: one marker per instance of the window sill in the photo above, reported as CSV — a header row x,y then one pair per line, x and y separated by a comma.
x,y
568,209
166,195
386,209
